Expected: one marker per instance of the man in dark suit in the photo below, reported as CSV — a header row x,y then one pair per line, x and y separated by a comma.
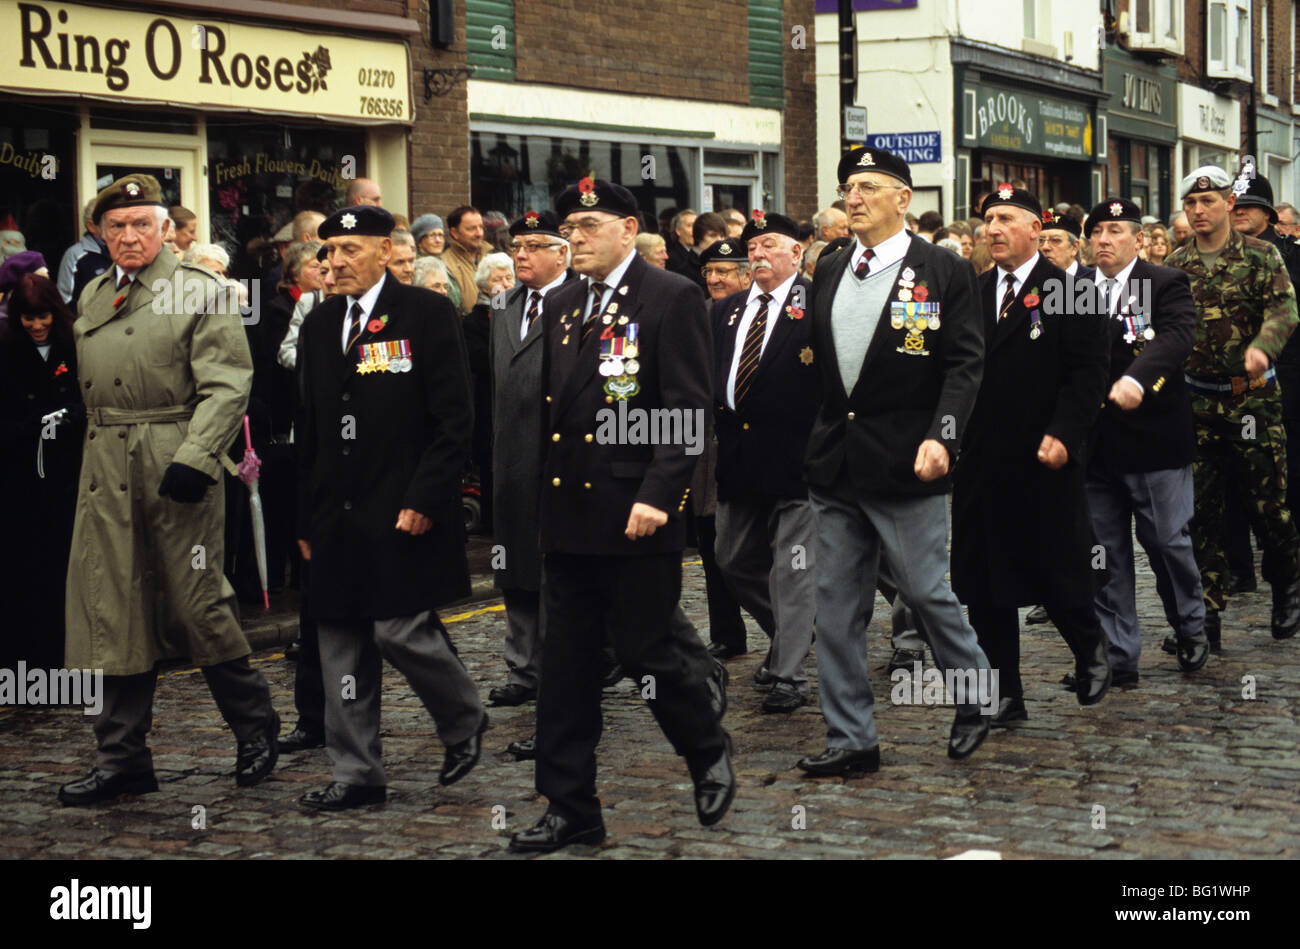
x,y
386,433
1021,531
1143,445
628,344
897,344
515,354
765,393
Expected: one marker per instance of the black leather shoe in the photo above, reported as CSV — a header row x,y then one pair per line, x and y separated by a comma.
x,y
1192,656
340,797
842,762
1011,713
512,694
293,650
300,740
763,678
715,787
462,756
105,785
1092,673
968,733
1213,635
1243,583
613,676
784,697
723,651
1037,615
718,679
256,757
906,659
1286,610
1130,677
525,749
553,832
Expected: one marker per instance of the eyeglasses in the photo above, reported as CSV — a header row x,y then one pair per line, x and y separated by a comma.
x,y
531,246
588,227
865,188
725,270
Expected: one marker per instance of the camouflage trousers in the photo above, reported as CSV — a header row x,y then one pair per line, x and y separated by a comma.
x,y
1241,447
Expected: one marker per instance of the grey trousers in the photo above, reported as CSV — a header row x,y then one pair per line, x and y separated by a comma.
x,y
122,725
904,627
418,647
1161,503
766,554
525,633
852,533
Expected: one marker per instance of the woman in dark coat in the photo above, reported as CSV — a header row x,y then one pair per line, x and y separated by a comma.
x,y
38,376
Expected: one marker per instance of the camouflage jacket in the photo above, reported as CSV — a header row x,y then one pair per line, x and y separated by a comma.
x,y
1245,299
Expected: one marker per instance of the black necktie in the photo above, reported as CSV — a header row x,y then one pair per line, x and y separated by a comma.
x,y
597,294
534,308
1008,297
753,348
860,270
355,332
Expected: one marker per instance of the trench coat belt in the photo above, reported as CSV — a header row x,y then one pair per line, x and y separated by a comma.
x,y
108,415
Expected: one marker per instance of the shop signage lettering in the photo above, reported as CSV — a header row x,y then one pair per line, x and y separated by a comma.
x,y
1141,95
36,164
1023,122
224,172
62,48
1213,122
915,148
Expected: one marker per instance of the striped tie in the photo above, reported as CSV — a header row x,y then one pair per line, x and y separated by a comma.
x,y
534,307
1007,298
125,281
860,270
355,332
597,294
753,349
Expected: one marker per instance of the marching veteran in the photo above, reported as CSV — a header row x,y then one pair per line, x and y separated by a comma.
x,y
165,373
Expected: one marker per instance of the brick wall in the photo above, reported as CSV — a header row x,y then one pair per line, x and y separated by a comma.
x,y
439,148
1274,77
672,48
800,119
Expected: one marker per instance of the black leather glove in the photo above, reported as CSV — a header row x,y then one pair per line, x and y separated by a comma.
x,y
184,484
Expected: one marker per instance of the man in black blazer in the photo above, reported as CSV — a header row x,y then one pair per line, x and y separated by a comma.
x,y
1143,445
897,342
386,433
1021,531
628,355
765,393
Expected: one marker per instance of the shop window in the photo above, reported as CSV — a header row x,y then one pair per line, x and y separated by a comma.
x,y
490,38
38,162
1227,50
513,173
1156,26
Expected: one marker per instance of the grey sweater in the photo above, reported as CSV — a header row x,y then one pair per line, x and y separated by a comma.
x,y
855,311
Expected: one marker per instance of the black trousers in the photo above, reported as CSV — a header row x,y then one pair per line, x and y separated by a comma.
x,y
308,685
631,599
726,625
998,630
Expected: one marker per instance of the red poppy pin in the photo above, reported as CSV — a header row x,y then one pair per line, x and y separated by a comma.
x,y
118,302
794,312
530,219
920,294
61,368
1049,217
377,325
587,190
1005,191
1031,300
760,218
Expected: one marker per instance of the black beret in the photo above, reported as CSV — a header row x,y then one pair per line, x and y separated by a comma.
x,y
129,192
361,220
1113,209
536,222
760,223
728,249
596,194
874,159
1060,222
1013,197
1255,192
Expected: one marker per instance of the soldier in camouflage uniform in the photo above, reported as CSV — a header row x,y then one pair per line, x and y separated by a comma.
x,y
1246,310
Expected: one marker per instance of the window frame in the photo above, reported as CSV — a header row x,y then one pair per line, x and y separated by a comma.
x,y
1230,67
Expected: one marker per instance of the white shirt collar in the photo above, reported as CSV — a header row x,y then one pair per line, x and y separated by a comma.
x,y
546,289
1021,272
367,299
122,273
887,253
615,276
1073,268
779,294
1121,278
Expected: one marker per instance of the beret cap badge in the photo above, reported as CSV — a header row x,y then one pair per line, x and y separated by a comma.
x,y
1116,209
1004,191
866,161
587,190
132,189
1203,182
760,218
348,221
531,218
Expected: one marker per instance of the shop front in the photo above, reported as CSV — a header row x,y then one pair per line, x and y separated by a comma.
x,y
1141,120
1273,133
242,123
1209,130
1009,130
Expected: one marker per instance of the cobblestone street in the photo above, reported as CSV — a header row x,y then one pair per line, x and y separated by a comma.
x,y
1184,768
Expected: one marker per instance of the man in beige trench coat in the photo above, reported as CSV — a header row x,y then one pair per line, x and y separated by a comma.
x,y
165,372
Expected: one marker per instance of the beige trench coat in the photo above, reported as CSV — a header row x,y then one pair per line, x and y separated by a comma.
x,y
162,381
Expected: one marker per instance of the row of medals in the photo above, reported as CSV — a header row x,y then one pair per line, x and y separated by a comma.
x,y
613,364
915,324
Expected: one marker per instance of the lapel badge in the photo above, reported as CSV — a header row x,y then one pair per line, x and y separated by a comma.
x,y
622,291
908,273
806,356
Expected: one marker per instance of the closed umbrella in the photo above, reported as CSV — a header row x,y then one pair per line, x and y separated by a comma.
x,y
250,469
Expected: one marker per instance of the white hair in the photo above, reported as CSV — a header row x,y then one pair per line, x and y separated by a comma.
x,y
491,262
949,244
425,266
196,253
401,235
162,216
